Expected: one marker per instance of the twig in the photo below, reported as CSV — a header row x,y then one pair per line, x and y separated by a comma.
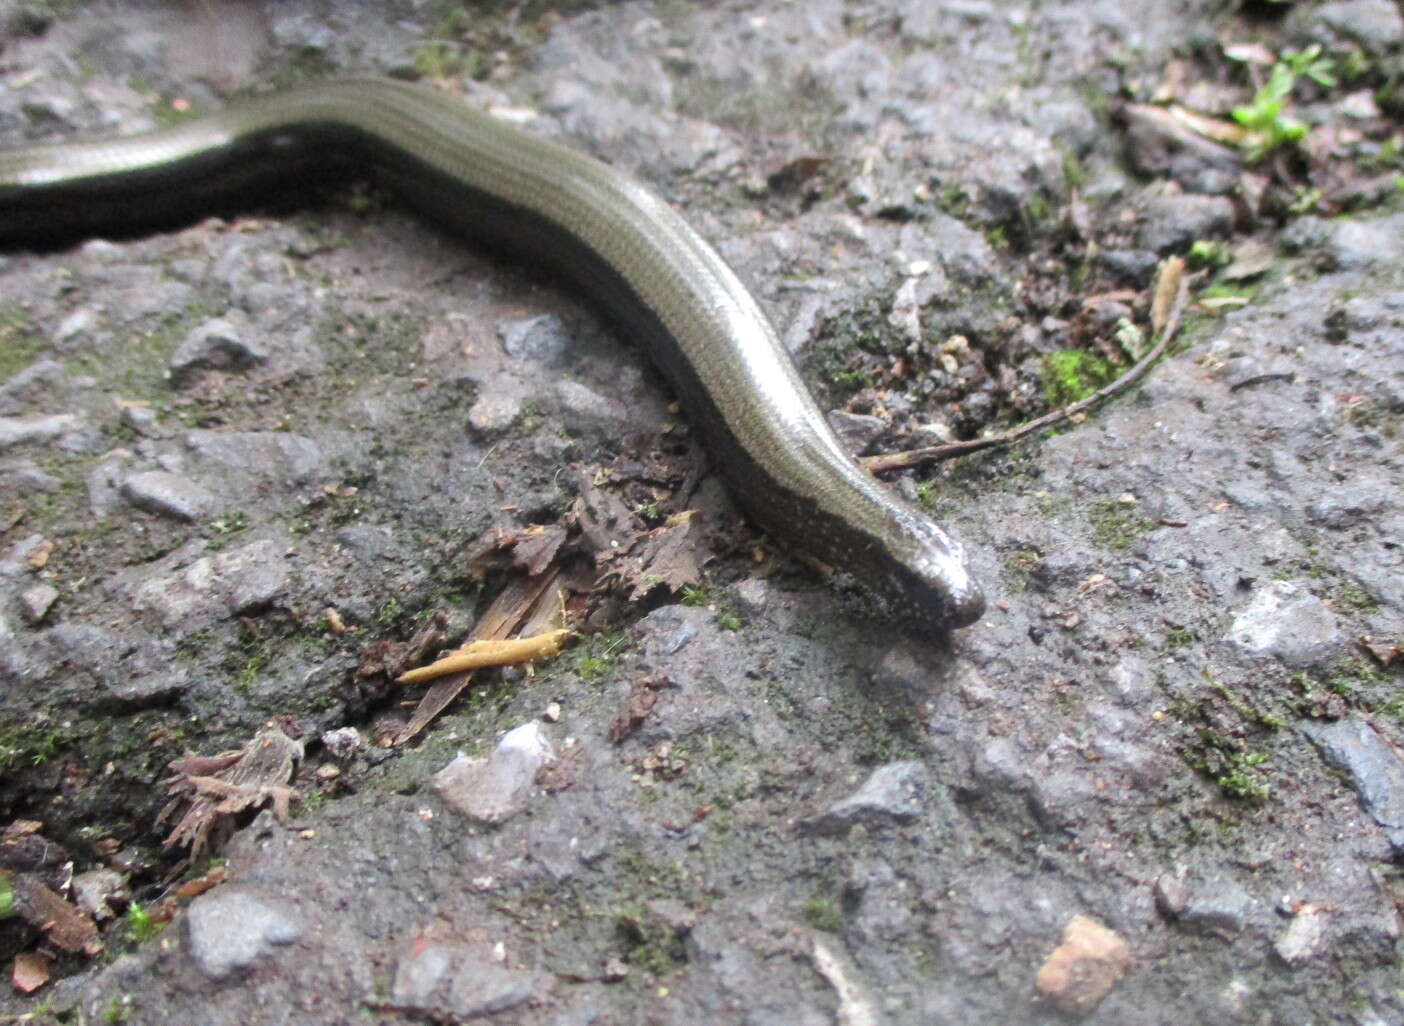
x,y
935,453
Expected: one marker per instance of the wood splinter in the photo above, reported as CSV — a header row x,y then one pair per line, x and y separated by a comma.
x,y
476,654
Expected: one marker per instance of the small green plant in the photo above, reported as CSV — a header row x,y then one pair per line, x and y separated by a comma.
x,y
140,924
389,612
118,1007
822,914
1209,253
1305,199
1116,525
694,596
224,528
597,654
649,943
1073,374
1019,567
1310,63
1241,782
1351,598
1269,125
1179,637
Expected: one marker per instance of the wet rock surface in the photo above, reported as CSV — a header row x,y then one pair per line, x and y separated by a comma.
x,y
1164,728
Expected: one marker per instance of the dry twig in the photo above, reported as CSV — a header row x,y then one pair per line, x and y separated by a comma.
x,y
1172,292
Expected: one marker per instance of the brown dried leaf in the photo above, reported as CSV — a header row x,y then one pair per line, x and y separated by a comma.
x,y
643,696
39,558
257,774
562,772
29,972
1382,652
608,526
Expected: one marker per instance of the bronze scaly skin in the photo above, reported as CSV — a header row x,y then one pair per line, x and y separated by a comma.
x,y
636,259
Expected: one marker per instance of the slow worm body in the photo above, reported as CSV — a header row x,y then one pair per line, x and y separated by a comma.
x,y
631,254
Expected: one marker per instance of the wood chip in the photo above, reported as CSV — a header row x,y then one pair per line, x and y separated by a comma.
x,y
1167,287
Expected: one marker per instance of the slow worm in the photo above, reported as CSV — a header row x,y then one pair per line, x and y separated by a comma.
x,y
631,255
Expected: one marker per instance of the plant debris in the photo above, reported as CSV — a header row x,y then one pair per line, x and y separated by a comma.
x,y
485,652
643,696
212,790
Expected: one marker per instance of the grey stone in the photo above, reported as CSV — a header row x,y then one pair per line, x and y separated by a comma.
x,y
494,789
25,477
1370,765
222,343
1356,245
35,428
1170,895
751,595
36,601
230,930
1374,24
28,384
95,889
1135,265
14,560
167,495
892,793
1173,222
544,339
1303,938
344,742
79,322
242,580
1306,233
494,412
458,982
141,419
275,456
1217,905
856,431
1286,621
1348,504
104,482
583,409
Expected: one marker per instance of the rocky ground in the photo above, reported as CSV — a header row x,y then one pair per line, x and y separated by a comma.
x,y
1159,782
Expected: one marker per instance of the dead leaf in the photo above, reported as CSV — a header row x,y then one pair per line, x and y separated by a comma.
x,y
643,696
1382,652
29,972
562,772
214,789
608,526
203,882
667,556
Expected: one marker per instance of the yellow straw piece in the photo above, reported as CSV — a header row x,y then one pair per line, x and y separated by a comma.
x,y
489,653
